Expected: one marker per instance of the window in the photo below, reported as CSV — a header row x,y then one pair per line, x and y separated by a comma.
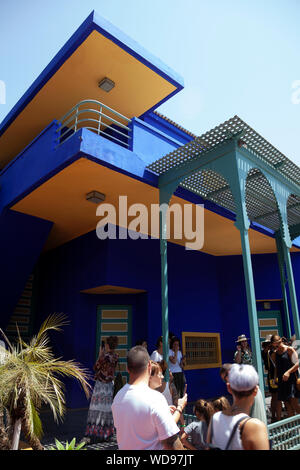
x,y
202,350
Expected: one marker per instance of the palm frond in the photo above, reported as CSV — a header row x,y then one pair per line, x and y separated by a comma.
x,y
33,420
6,339
53,322
20,342
71,369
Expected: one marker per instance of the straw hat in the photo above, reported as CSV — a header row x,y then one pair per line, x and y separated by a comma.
x,y
267,339
241,338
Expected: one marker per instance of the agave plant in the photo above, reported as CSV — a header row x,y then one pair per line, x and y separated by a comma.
x,y
30,376
68,446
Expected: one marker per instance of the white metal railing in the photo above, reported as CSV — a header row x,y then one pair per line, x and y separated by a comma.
x,y
99,118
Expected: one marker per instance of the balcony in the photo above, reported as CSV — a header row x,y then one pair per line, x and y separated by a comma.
x,y
95,130
97,117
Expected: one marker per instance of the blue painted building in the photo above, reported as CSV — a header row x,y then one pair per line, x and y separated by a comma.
x,y
67,137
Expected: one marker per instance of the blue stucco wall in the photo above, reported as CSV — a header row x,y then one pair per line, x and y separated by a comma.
x,y
40,160
167,128
155,137
21,241
150,143
88,262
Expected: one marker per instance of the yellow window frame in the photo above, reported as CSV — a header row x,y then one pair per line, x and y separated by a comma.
x,y
200,365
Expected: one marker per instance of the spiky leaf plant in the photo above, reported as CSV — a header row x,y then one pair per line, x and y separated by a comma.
x,y
68,446
30,376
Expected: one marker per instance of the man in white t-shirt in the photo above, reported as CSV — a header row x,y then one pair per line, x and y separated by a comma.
x,y
157,355
141,415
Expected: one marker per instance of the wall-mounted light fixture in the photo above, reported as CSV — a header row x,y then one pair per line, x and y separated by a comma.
x,y
106,84
95,197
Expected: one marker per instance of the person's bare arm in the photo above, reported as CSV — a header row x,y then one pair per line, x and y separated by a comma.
x,y
173,359
172,443
294,358
182,402
273,358
101,352
238,356
177,413
255,435
208,433
100,357
186,443
174,393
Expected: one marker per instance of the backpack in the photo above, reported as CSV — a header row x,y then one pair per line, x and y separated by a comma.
x,y
213,447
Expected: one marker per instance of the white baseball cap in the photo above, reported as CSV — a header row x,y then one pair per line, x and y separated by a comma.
x,y
242,377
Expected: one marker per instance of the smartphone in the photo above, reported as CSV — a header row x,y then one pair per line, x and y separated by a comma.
x,y
102,344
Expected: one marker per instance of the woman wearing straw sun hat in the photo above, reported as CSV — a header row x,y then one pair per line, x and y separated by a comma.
x,y
243,354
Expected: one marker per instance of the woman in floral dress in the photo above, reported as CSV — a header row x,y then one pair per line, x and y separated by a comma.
x,y
100,426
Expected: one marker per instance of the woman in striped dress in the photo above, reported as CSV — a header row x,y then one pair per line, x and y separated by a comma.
x,y
100,426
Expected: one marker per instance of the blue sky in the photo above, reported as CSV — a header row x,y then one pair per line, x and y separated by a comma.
x,y
236,56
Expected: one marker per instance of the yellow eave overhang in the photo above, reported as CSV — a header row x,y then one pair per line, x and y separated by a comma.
x,y
62,200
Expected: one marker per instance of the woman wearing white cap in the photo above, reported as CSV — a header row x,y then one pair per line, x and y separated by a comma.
x,y
243,354
233,429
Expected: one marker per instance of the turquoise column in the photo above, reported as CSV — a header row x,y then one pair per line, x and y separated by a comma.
x,y
286,243
283,282
164,201
292,290
251,303
164,303
235,169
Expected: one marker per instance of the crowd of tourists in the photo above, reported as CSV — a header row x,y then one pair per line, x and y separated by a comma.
x,y
281,363
147,412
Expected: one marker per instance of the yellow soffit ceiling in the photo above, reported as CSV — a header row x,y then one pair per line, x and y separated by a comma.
x,y
137,89
62,199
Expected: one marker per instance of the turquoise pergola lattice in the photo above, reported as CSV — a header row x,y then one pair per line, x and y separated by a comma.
x,y
236,168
